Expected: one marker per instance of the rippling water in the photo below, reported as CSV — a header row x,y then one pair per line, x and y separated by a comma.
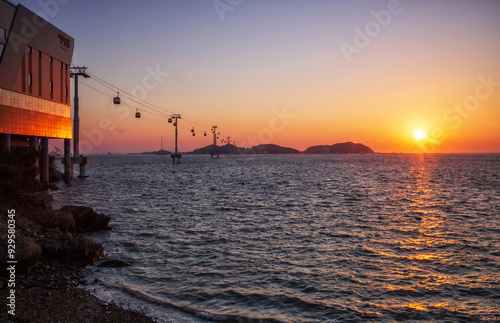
x,y
301,238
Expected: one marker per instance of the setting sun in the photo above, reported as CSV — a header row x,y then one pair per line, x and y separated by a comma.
x,y
419,134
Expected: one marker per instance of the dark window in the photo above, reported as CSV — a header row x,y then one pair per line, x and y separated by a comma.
x,y
51,60
51,86
66,91
30,50
30,79
61,64
39,54
1,49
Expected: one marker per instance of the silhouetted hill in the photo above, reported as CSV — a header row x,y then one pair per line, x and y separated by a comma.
x,y
159,152
271,149
222,150
344,148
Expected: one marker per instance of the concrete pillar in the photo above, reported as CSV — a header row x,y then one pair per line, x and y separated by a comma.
x,y
34,146
83,170
5,141
67,161
44,161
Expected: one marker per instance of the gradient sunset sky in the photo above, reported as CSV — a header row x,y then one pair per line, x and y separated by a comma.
x,y
293,73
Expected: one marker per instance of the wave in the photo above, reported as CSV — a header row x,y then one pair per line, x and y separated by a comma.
x,y
161,310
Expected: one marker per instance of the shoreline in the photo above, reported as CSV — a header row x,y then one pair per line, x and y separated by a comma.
x,y
49,293
51,255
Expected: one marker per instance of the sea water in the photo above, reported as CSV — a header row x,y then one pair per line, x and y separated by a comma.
x,y
299,238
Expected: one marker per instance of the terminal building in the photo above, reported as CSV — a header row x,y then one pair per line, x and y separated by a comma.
x,y
35,61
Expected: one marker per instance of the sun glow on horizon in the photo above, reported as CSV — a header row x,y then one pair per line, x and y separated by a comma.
x,y
419,134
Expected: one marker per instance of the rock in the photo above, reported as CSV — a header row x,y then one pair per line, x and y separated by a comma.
x,y
50,219
28,253
86,219
71,249
42,199
113,263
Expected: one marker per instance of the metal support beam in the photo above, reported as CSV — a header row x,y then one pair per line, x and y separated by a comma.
x,y
214,151
176,155
78,71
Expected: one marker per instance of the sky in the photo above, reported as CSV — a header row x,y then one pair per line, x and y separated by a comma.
x,y
294,73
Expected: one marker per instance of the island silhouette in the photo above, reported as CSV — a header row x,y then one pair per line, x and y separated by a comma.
x,y
272,149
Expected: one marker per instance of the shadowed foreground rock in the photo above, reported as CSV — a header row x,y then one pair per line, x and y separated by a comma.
x,y
28,253
69,248
86,219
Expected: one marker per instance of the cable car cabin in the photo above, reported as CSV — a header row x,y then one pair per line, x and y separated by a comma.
x,y
192,130
170,120
116,99
205,134
137,114
194,134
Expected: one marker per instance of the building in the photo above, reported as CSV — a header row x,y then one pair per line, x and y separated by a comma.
x,y
35,60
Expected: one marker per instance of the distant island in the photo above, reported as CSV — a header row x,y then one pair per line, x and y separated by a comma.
x,y
159,152
345,148
271,149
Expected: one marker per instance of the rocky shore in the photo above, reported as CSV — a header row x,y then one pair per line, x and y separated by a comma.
x,y
51,252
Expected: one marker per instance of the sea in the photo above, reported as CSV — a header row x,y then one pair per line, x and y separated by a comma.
x,y
298,238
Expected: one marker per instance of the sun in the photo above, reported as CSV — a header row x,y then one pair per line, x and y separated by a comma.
x,y
419,134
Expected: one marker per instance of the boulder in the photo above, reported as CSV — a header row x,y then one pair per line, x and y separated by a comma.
x,y
42,199
50,219
71,249
28,253
86,219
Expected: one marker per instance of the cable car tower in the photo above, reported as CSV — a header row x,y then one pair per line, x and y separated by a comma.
x,y
175,154
83,161
227,141
215,151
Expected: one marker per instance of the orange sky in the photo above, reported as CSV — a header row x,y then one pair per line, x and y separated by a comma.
x,y
279,73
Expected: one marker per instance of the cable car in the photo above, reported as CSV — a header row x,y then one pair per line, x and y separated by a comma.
x,y
194,134
175,124
170,120
116,99
205,134
192,130
137,113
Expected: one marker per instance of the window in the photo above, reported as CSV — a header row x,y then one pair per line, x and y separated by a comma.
x,y
30,50
1,49
51,60
66,91
2,33
51,87
40,54
30,79
61,64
